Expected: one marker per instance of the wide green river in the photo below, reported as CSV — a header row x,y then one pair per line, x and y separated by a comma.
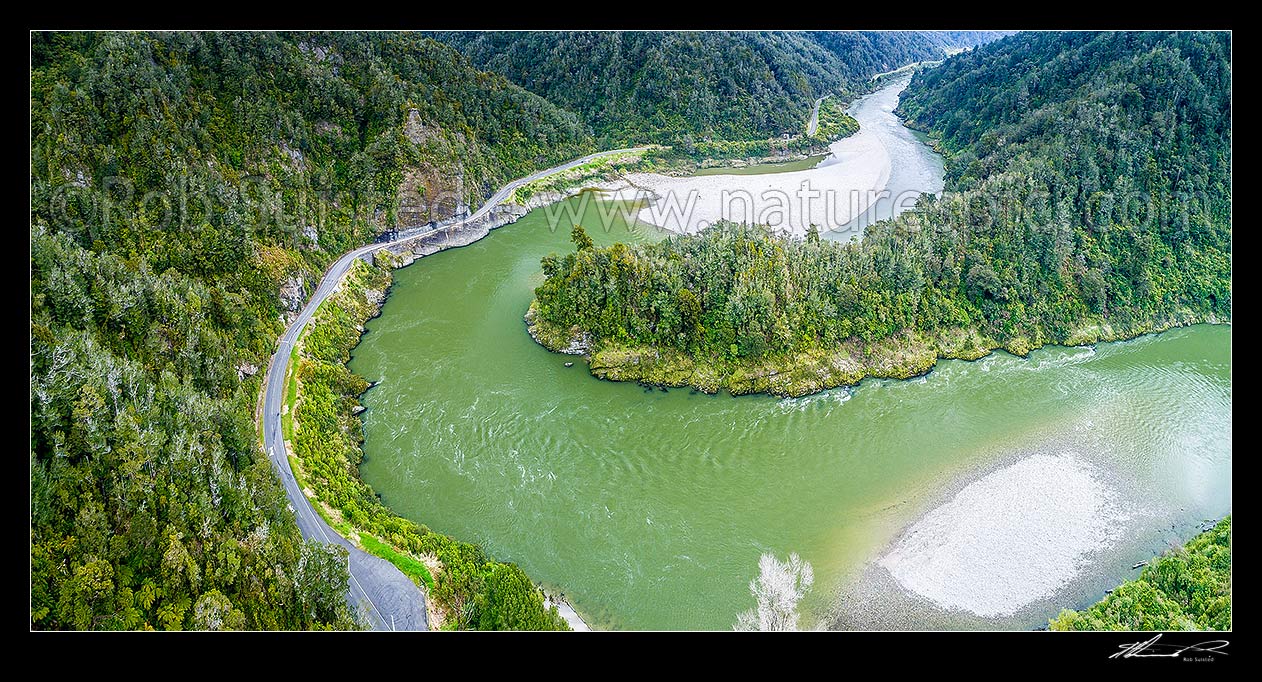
x,y
987,494
649,509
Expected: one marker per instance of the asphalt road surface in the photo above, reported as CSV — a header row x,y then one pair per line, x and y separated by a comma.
x,y
814,122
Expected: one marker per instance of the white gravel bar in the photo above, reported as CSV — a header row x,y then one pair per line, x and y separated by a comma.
x,y
1008,539
828,195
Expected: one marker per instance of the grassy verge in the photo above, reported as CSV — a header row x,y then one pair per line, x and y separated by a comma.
x,y
291,393
410,566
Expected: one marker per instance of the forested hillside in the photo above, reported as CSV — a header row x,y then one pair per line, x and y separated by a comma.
x,y
188,188
1089,179
688,86
178,180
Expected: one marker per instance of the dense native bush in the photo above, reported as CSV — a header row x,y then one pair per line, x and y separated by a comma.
x,y
685,87
177,180
1094,206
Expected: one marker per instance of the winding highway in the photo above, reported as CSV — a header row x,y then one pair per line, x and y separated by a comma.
x,y
387,598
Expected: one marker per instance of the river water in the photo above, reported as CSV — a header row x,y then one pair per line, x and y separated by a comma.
x,y
914,167
649,509
879,171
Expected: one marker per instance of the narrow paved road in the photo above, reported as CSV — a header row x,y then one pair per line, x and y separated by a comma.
x,y
814,122
390,599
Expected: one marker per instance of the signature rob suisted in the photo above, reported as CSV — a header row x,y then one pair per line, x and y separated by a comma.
x,y
1152,649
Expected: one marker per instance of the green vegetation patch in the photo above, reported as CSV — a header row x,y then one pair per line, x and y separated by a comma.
x,y
411,566
1186,589
834,123
601,169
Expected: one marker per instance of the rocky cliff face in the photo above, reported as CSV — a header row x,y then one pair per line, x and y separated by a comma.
x,y
293,295
435,189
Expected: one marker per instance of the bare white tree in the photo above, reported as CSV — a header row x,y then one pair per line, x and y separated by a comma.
x,y
777,590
